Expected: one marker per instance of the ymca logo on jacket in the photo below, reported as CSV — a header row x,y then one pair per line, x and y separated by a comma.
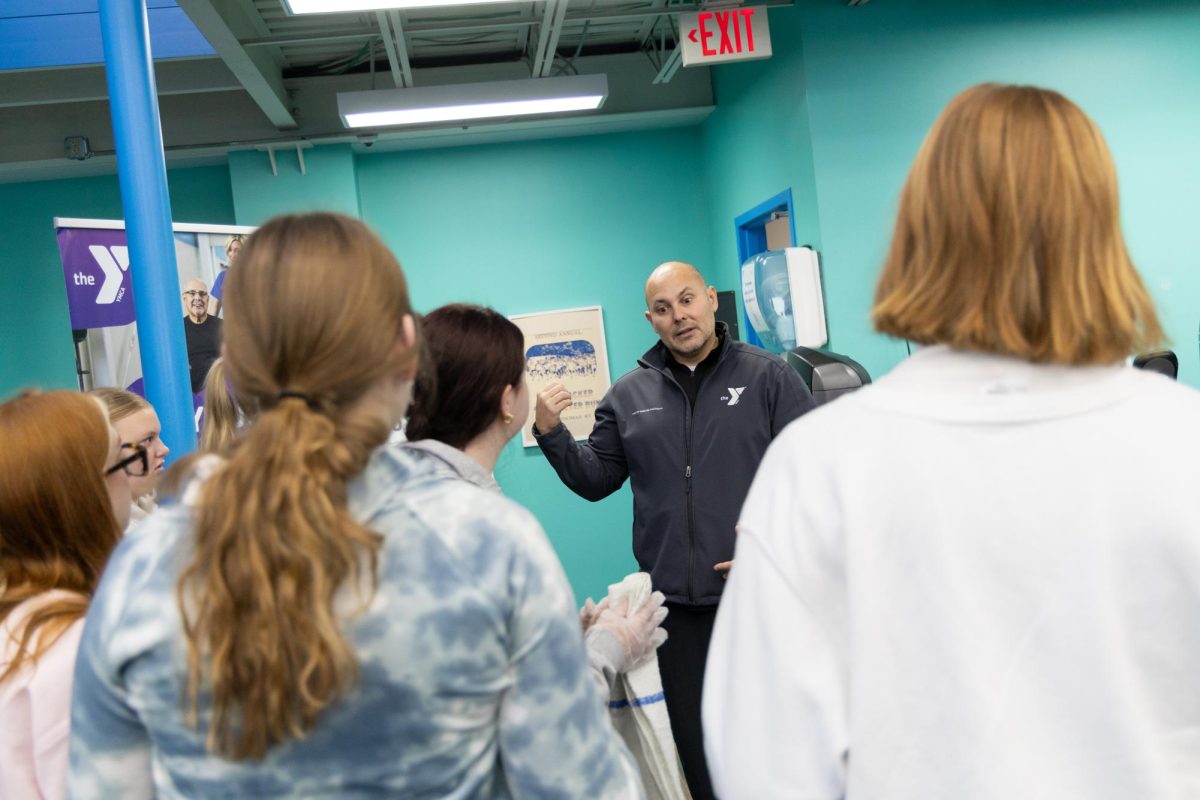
x,y
734,395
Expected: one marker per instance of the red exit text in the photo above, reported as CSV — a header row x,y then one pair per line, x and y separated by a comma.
x,y
733,29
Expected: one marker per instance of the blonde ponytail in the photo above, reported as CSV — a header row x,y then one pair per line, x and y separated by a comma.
x,y
221,415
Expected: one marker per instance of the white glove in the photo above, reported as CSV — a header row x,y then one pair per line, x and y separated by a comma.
x,y
639,633
589,612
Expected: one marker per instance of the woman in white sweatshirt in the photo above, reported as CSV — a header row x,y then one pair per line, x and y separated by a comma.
x,y
979,577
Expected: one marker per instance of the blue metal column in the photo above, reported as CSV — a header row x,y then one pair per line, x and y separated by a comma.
x,y
143,173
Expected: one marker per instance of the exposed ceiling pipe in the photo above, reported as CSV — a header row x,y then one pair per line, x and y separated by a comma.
x,y
390,46
401,47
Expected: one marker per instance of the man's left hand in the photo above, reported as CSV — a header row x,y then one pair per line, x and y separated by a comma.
x,y
723,568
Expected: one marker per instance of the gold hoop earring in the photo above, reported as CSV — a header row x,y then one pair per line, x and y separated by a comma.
x,y
508,418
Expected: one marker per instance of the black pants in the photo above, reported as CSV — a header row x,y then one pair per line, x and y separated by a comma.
x,y
681,661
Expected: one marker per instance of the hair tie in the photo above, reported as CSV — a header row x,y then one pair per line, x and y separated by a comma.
x,y
308,399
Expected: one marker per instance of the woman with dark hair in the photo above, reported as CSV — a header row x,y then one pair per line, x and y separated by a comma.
x,y
64,500
316,615
468,403
471,399
978,577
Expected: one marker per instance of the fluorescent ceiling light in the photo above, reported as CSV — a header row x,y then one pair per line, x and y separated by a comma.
x,y
337,6
464,101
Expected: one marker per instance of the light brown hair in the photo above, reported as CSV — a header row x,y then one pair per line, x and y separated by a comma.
x,y
314,320
219,431
119,402
1008,237
57,527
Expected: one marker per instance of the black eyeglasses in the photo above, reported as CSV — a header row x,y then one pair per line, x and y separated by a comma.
x,y
136,465
194,293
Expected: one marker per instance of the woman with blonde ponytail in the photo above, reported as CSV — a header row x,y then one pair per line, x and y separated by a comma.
x,y
319,616
222,417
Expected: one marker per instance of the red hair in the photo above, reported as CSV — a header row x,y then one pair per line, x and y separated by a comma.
x,y
1008,239
57,527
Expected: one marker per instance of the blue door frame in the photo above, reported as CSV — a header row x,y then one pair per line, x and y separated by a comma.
x,y
751,236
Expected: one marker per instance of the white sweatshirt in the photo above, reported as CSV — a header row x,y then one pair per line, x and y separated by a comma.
x,y
976,579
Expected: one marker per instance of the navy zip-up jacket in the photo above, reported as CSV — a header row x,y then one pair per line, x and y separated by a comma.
x,y
690,468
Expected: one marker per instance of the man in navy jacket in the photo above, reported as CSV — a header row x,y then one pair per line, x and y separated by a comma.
x,y
688,427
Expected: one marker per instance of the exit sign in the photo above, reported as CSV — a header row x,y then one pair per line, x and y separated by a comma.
x,y
719,35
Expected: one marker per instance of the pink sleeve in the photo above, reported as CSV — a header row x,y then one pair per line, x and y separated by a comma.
x,y
50,707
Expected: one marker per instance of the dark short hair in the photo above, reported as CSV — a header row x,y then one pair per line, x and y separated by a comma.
x,y
474,353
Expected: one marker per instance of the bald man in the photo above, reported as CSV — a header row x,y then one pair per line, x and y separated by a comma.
x,y
688,427
201,331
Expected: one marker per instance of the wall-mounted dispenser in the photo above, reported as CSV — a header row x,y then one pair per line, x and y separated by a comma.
x,y
781,290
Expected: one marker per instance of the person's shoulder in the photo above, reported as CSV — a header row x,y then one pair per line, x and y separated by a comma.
x,y
1169,396
835,425
67,641
416,505
637,378
56,665
143,567
639,372
1162,385
483,537
417,490
448,502
755,360
755,354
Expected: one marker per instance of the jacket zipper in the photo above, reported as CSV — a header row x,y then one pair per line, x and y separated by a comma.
x,y
687,472
687,486
691,514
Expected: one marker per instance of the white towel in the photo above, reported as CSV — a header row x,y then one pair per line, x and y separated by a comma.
x,y
639,710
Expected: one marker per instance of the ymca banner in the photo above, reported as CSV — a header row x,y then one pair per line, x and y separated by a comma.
x,y
96,271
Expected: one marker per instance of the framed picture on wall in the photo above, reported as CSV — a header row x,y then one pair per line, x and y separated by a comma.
x,y
567,347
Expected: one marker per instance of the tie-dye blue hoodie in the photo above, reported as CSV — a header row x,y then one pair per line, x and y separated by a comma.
x,y
473,678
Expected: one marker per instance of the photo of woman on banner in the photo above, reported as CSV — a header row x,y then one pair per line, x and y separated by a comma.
x,y
233,245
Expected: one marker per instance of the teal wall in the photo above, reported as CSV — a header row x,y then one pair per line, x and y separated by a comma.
x,y
538,226
877,76
758,143
328,183
35,330
839,112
